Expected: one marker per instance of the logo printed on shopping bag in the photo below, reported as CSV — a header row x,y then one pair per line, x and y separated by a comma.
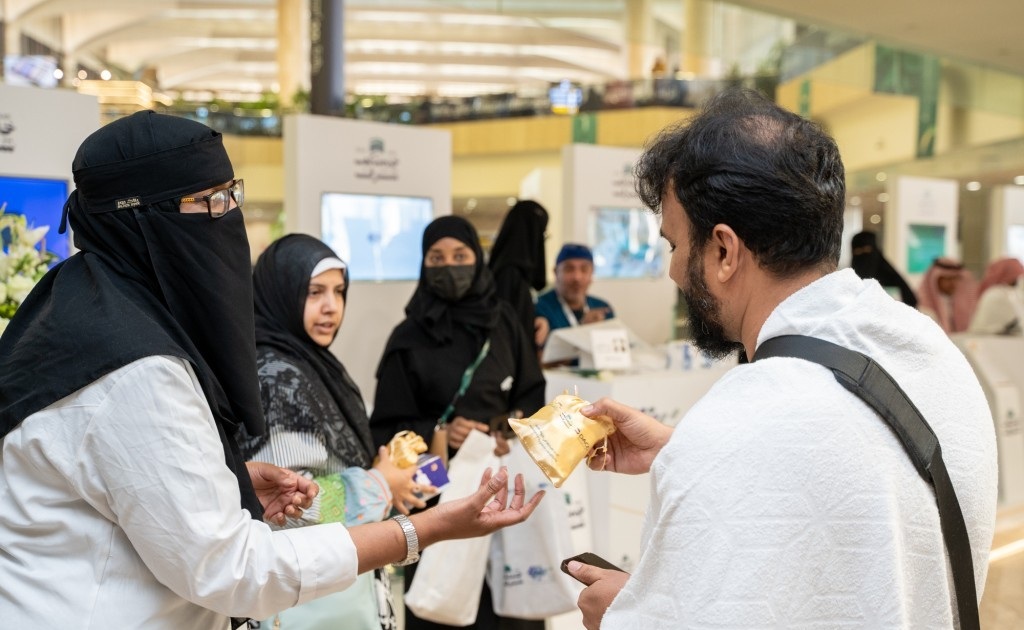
x,y
513,577
537,573
576,511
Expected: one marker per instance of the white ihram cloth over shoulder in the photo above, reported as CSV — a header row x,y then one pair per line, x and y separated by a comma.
x,y
783,501
117,511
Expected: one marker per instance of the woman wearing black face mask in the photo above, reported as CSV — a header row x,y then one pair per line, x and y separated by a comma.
x,y
452,315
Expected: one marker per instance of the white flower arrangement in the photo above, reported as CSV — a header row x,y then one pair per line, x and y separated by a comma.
x,y
23,261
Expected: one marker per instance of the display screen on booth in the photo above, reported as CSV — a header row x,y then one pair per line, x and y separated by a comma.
x,y
925,243
42,202
379,236
626,243
1015,241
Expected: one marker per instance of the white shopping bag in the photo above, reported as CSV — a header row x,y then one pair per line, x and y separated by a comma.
x,y
576,494
525,576
449,578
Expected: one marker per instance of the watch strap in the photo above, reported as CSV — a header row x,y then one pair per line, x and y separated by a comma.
x,y
412,541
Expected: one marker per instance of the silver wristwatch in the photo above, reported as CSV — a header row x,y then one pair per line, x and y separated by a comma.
x,y
412,541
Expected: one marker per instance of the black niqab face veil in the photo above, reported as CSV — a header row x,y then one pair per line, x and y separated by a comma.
x,y
148,281
520,242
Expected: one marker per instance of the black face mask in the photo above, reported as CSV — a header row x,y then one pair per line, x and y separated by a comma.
x,y
450,282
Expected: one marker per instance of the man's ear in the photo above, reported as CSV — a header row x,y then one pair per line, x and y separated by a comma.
x,y
727,247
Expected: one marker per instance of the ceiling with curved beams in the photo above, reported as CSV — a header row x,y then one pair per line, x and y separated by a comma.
x,y
462,47
443,47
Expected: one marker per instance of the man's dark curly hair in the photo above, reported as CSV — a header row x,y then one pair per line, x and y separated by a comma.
x,y
775,178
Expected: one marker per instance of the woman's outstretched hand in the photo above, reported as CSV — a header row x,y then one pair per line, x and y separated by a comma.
x,y
486,510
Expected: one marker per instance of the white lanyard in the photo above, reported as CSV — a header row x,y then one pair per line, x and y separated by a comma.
x,y
569,315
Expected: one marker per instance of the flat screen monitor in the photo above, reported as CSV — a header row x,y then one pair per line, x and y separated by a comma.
x,y
1015,240
379,236
925,243
42,202
626,243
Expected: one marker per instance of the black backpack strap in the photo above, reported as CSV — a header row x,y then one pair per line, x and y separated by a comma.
x,y
872,384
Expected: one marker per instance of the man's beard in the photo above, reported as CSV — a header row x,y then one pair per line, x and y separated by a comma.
x,y
705,313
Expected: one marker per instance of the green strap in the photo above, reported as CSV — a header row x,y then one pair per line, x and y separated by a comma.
x,y
467,377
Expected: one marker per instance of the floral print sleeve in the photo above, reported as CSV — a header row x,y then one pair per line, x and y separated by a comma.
x,y
353,497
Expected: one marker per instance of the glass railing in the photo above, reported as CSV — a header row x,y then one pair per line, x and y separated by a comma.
x,y
814,47
661,92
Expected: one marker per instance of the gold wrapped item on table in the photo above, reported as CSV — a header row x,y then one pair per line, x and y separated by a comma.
x,y
558,436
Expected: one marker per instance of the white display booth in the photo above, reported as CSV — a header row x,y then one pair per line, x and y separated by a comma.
x,y
597,194
1006,230
996,362
40,131
921,223
336,166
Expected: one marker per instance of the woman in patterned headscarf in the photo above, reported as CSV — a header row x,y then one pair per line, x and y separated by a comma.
x,y
316,421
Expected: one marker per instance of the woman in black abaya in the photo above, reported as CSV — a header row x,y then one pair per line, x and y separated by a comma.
x,y
868,262
517,264
450,317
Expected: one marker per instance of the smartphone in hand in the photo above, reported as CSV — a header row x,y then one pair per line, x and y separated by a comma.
x,y
589,558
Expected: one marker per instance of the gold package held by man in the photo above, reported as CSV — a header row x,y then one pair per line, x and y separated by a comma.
x,y
405,449
558,436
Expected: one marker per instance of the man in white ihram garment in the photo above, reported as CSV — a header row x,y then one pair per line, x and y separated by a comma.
x,y
780,499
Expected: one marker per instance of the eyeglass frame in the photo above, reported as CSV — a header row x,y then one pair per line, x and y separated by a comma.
x,y
239,183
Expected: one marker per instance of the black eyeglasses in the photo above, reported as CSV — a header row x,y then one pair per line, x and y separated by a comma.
x,y
218,203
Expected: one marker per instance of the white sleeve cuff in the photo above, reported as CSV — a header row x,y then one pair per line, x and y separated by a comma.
x,y
327,558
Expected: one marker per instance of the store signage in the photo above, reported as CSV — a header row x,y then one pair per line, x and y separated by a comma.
x,y
374,163
622,182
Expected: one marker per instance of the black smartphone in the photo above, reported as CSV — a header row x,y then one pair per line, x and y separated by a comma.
x,y
589,558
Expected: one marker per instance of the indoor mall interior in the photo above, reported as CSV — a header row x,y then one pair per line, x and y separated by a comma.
x,y
361,122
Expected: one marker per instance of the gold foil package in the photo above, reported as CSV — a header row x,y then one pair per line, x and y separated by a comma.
x,y
405,449
558,437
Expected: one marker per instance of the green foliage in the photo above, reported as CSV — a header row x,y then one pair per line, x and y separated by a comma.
x,y
23,262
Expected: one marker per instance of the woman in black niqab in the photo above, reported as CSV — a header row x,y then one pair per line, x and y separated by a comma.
x,y
517,259
148,281
430,316
449,319
868,262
